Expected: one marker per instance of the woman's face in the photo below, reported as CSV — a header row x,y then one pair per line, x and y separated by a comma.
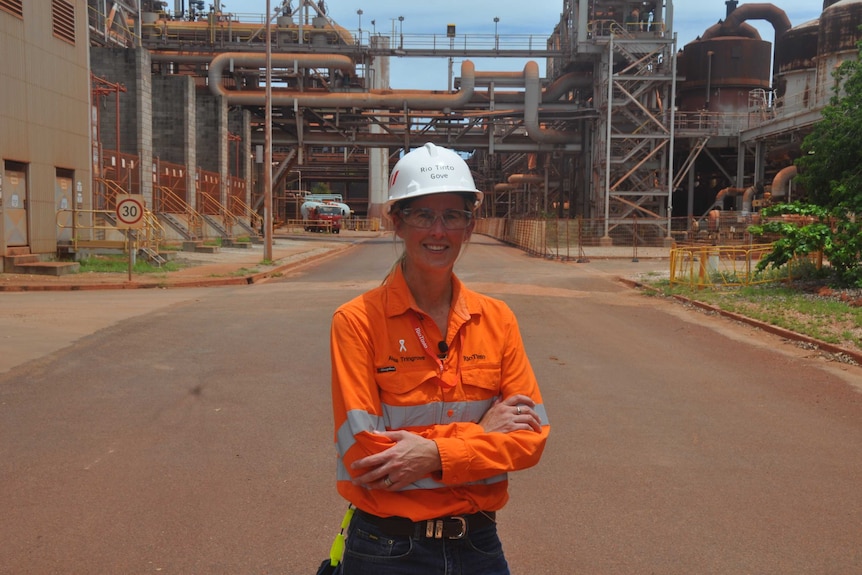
x,y
435,248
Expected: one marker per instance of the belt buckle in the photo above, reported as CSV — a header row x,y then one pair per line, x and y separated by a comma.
x,y
434,528
463,524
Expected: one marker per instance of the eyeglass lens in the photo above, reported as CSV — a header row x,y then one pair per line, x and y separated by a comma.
x,y
425,218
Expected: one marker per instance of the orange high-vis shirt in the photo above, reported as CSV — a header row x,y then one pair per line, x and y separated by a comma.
x,y
383,378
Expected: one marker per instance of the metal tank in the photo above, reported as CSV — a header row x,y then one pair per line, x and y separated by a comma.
x,y
730,60
720,72
796,68
838,34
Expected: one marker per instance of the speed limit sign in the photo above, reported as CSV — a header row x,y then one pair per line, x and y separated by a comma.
x,y
130,211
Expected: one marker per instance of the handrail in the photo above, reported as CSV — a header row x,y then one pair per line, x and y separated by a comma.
x,y
209,202
109,194
154,231
168,202
255,219
149,236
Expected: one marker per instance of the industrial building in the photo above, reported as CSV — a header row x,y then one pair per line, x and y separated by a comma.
x,y
103,98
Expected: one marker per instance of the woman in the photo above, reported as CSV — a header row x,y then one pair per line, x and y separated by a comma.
x,y
433,395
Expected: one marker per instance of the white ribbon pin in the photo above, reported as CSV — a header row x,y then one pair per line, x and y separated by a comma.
x,y
403,347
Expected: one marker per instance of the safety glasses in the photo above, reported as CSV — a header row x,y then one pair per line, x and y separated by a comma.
x,y
425,217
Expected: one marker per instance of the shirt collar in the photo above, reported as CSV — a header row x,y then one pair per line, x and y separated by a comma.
x,y
399,300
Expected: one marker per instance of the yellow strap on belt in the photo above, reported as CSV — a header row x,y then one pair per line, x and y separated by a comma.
x,y
337,549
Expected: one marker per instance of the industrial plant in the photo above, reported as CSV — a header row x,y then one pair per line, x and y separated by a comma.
x,y
222,127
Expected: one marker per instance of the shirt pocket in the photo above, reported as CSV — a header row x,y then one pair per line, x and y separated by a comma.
x,y
481,378
481,386
410,398
401,382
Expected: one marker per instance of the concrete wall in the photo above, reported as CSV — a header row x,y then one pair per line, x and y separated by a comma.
x,y
173,118
131,69
211,136
44,114
174,125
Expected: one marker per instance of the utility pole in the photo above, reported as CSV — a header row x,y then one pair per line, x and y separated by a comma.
x,y
267,154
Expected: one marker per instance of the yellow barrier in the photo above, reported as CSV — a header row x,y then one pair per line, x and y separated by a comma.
x,y
702,266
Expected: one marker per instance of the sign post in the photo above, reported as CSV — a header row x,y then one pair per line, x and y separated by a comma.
x,y
130,215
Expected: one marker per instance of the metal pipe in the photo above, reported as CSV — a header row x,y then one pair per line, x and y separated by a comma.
x,y
747,197
504,187
670,173
769,12
719,197
734,24
267,179
709,55
532,95
525,179
370,99
781,180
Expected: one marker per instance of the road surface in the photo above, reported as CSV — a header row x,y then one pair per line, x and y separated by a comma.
x,y
189,431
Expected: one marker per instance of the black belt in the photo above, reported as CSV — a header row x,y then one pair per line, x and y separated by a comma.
x,y
454,527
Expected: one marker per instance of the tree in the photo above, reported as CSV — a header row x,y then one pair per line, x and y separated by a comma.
x,y
321,188
830,171
803,229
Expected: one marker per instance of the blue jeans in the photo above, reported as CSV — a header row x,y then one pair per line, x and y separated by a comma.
x,y
370,552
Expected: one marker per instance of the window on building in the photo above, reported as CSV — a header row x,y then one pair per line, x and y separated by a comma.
x,y
63,14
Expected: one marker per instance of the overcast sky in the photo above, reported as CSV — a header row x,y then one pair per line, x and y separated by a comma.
x,y
538,17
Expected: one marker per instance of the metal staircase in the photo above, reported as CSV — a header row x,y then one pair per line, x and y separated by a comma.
x,y
153,256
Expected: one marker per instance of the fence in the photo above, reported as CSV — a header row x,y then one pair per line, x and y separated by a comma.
x,y
699,266
707,266
294,225
572,239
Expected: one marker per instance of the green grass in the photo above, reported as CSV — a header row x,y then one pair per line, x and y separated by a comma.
x,y
805,312
120,264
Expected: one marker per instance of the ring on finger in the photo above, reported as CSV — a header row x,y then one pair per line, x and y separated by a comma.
x,y
387,481
519,409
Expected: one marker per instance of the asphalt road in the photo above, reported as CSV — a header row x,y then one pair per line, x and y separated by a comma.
x,y
189,431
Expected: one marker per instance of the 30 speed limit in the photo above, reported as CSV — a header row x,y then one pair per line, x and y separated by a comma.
x,y
130,211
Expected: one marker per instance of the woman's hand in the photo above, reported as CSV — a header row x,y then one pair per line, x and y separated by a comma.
x,y
410,459
511,414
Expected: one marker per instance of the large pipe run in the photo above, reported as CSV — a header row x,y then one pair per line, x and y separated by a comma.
x,y
386,98
769,12
735,24
370,99
532,96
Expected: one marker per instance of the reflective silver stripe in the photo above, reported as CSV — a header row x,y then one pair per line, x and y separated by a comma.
x,y
425,483
543,415
357,420
428,414
425,415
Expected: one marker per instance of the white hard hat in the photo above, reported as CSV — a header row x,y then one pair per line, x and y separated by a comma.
x,y
430,170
